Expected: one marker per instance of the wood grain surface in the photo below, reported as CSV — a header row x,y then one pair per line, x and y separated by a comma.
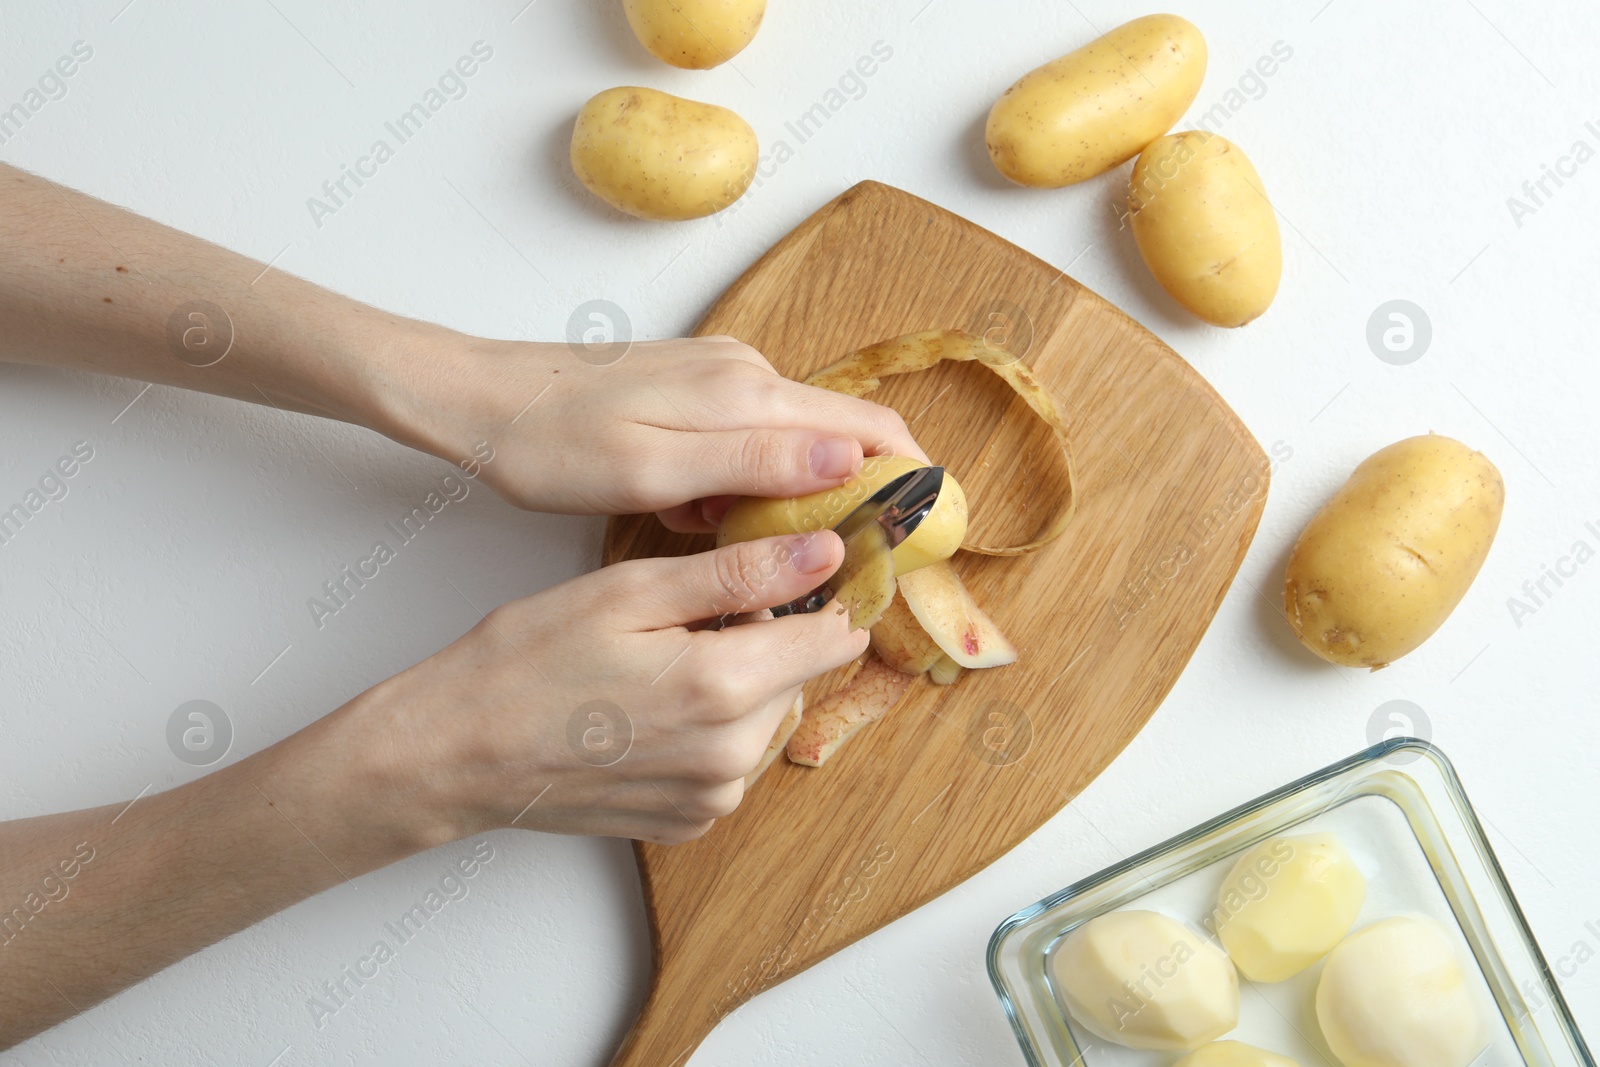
x,y
1170,489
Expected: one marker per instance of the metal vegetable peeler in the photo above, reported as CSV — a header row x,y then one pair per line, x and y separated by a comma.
x,y
898,507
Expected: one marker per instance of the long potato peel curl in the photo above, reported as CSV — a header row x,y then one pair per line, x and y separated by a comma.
x,y
863,371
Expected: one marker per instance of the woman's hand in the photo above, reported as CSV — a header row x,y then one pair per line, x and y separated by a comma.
x,y
593,708
670,426
675,427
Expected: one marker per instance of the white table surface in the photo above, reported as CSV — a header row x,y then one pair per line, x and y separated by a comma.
x,y
180,563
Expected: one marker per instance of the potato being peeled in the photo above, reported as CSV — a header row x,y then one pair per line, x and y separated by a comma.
x,y
935,538
1095,108
1386,561
1205,227
695,34
658,156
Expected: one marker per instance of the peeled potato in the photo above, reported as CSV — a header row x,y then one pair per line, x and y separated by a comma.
x,y
695,34
1396,994
936,538
1286,903
658,156
1146,981
1233,1054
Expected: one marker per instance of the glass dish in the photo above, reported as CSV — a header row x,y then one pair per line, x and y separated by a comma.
x,y
1399,810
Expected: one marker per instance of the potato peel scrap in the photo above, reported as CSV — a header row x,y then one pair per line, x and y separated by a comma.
x,y
863,371
865,698
864,582
901,642
780,738
945,671
940,603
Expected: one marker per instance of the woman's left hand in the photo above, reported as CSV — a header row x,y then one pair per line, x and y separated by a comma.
x,y
677,427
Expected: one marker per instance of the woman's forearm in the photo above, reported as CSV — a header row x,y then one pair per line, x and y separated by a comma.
x,y
676,427
85,284
93,901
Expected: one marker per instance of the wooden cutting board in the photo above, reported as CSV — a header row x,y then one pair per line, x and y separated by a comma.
x,y
1170,488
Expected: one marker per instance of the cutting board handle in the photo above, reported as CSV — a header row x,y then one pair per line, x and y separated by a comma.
x,y
669,1028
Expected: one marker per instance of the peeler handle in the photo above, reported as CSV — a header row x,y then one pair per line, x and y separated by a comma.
x,y
800,605
805,605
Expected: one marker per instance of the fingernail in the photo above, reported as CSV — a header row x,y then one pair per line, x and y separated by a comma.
x,y
832,457
810,552
713,509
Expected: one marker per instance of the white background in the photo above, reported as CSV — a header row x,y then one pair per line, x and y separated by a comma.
x,y
180,564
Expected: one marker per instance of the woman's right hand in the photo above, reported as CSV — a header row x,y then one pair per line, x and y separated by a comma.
x,y
593,708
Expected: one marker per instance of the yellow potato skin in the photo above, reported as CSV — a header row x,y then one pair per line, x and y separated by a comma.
x,y
658,156
1205,227
695,34
1095,108
936,538
1387,560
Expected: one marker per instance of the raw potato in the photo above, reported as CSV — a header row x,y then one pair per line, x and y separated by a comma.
x,y
1387,560
695,34
1205,227
935,538
1286,903
1095,108
1146,981
1395,994
1233,1054
658,156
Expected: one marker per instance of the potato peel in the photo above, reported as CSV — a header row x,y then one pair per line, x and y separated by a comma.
x,y
945,671
869,695
942,606
901,642
864,582
863,371
780,738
